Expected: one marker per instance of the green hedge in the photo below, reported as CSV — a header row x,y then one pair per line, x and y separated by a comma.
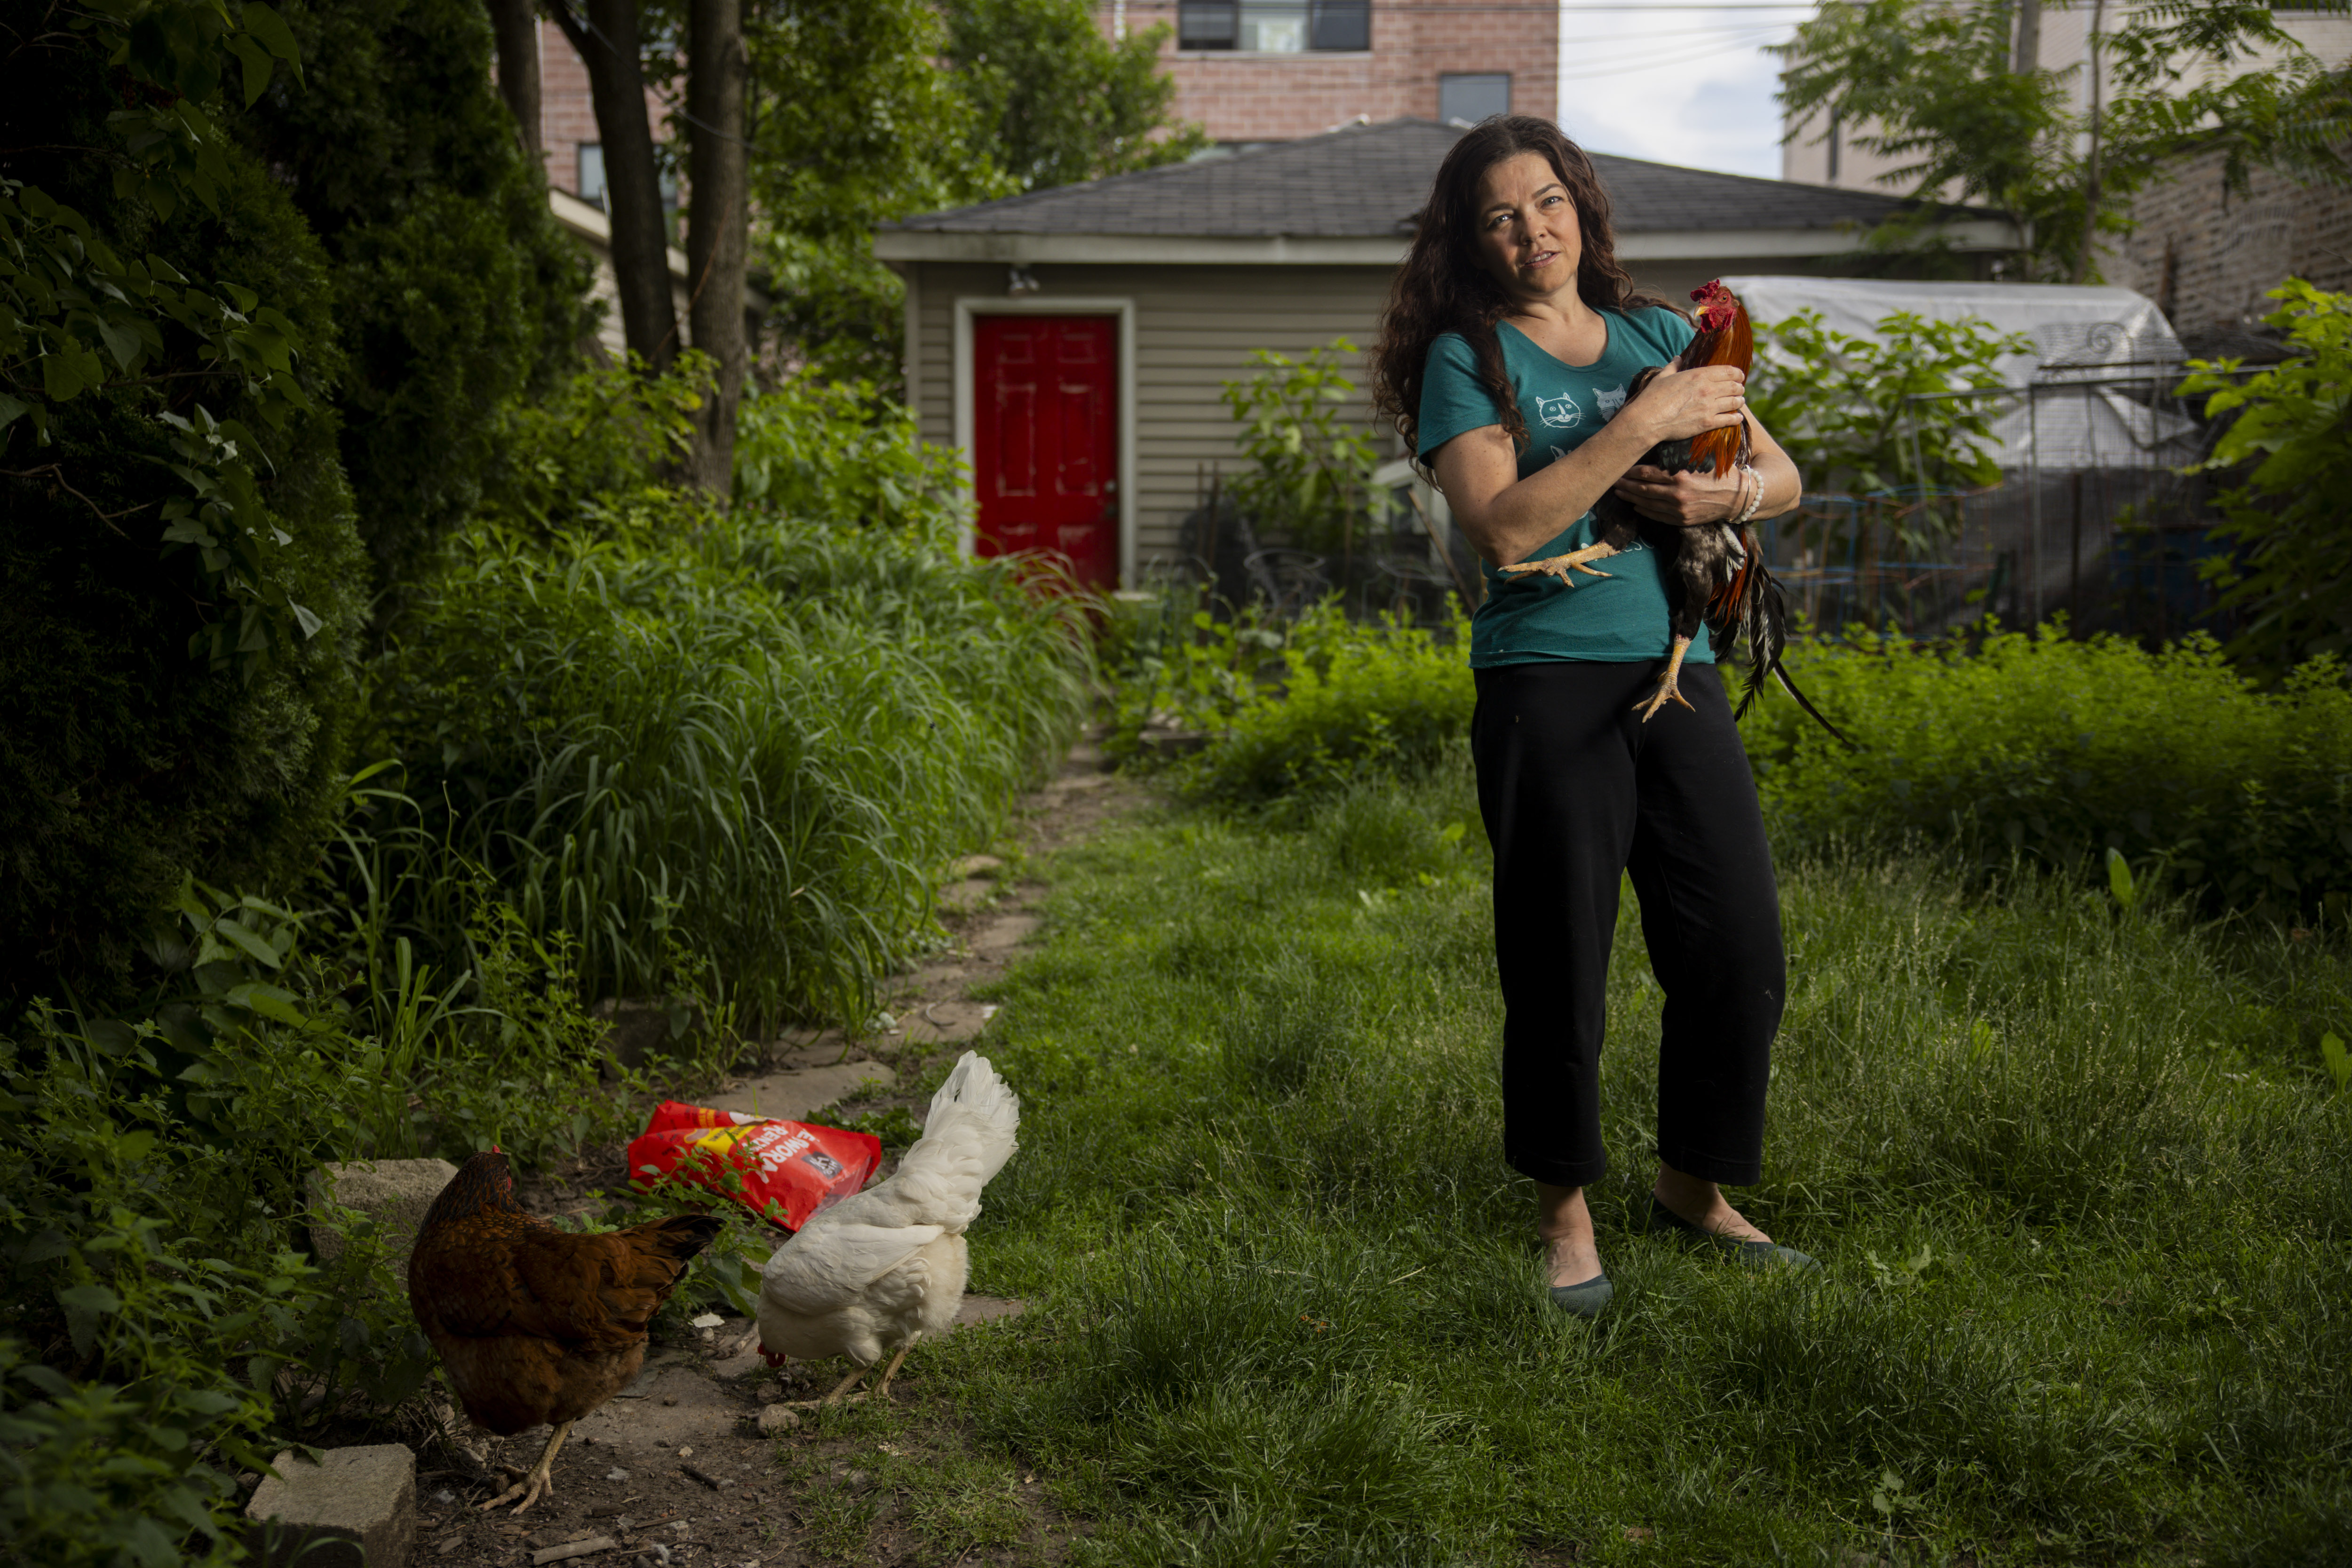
x,y
2057,749
454,288
123,762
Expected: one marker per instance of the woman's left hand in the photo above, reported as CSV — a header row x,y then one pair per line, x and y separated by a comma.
x,y
1687,499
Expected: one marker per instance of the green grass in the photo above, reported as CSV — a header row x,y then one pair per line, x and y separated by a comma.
x,y
2078,1176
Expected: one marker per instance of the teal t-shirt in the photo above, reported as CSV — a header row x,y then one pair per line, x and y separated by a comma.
x,y
1617,619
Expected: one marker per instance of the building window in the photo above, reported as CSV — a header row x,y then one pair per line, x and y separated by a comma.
x,y
1834,144
1342,25
1467,100
593,187
1273,26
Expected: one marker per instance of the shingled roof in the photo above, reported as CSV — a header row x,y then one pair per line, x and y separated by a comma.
x,y
1367,181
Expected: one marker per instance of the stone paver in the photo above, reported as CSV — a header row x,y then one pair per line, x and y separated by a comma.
x,y
357,1508
947,1022
962,898
1004,931
797,1095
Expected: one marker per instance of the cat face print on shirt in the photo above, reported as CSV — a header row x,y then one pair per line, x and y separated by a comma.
x,y
1607,404
1560,413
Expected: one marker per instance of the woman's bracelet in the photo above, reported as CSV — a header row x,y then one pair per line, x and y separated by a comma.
x,y
1755,498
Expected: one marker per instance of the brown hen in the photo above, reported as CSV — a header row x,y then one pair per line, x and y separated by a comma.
x,y
536,1326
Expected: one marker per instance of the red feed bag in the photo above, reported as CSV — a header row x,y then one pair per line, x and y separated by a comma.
x,y
787,1170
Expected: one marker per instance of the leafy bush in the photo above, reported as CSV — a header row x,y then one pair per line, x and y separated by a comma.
x,y
840,450
2291,576
754,738
1307,707
601,432
1313,483
2062,749
1836,400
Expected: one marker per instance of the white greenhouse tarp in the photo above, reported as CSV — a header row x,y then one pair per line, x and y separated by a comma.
x,y
2079,335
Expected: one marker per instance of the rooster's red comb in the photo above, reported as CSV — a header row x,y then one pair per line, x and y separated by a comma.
x,y
1715,305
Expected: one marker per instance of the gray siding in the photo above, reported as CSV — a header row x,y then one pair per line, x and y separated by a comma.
x,y
1195,329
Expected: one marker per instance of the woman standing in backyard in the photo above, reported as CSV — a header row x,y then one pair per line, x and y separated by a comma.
x,y
1510,337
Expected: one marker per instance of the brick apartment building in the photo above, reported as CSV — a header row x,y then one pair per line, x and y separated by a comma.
x,y
1272,70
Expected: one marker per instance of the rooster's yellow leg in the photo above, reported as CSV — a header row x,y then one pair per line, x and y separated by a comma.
x,y
1559,566
1667,686
540,1483
892,1370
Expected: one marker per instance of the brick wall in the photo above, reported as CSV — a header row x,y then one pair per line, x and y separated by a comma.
x,y
2206,256
1274,97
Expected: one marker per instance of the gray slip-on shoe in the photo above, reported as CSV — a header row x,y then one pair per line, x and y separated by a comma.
x,y
1663,1221
1588,1300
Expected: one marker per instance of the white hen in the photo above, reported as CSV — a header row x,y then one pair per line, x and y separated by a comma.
x,y
884,1268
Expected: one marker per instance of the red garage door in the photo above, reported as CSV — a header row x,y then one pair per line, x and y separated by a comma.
x,y
1047,442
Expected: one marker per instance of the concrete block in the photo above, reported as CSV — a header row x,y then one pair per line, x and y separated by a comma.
x,y
356,1510
395,1195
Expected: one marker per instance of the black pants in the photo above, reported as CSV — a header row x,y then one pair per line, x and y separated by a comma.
x,y
1575,789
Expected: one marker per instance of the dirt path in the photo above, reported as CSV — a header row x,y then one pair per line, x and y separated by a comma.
x,y
678,1469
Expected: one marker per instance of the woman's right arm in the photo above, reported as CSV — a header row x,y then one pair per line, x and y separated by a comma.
x,y
1504,517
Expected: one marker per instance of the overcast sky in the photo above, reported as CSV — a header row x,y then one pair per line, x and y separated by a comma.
x,y
1676,83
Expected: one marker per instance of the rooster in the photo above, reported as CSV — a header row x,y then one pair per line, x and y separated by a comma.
x,y
881,1270
536,1326
1714,572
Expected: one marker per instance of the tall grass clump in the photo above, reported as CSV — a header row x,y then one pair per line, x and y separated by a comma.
x,y
741,735
2063,750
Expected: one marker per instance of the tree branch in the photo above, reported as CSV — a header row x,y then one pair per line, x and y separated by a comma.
x,y
56,476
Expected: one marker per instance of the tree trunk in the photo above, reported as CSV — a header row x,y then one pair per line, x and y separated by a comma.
x,y
2028,55
2090,163
515,26
718,73
608,44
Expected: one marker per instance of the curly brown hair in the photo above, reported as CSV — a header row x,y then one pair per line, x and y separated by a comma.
x,y
1441,287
